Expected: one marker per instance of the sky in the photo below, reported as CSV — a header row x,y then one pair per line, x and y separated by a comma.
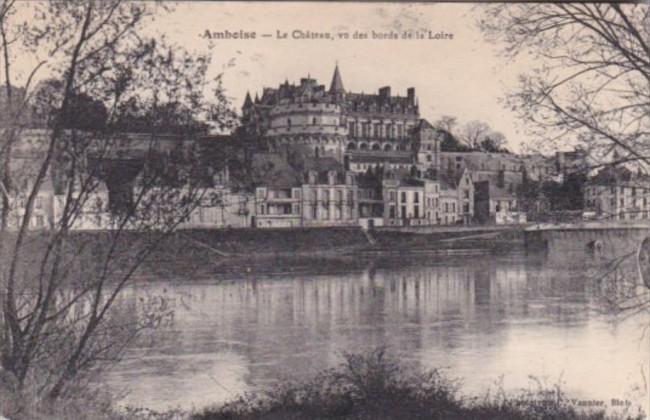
x,y
463,77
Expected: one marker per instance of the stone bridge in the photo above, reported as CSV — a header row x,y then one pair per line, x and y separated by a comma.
x,y
569,240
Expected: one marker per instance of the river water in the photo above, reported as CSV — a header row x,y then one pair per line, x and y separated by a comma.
x,y
489,321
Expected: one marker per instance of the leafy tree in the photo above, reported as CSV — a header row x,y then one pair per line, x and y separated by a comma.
x,y
63,318
86,113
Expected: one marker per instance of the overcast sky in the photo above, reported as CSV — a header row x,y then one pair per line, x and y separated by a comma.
x,y
463,77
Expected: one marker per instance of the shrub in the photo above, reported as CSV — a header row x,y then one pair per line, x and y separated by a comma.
x,y
376,386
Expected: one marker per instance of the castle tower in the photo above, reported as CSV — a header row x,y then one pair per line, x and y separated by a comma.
x,y
336,87
248,101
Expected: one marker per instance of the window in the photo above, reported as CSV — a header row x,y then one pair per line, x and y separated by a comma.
x,y
288,124
352,129
38,203
391,196
40,222
416,198
403,198
391,211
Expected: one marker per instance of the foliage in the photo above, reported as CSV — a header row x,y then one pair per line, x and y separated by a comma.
x,y
374,385
63,317
472,136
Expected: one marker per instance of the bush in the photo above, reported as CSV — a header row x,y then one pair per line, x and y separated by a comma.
x,y
376,386
25,405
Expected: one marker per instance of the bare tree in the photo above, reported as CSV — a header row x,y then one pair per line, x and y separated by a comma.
x,y
493,141
473,133
447,123
592,84
62,315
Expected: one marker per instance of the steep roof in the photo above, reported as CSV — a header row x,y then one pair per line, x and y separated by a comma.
x,y
619,175
247,101
322,164
337,83
424,124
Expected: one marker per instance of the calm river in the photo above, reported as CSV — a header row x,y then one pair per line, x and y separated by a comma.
x,y
480,319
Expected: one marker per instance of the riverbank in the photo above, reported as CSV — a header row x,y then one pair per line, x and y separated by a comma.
x,y
364,386
235,243
240,252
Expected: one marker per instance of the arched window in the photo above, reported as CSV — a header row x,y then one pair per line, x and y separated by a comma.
x,y
363,146
388,148
352,146
376,146
313,121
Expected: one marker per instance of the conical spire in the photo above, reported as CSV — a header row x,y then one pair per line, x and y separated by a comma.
x,y
257,98
248,102
337,84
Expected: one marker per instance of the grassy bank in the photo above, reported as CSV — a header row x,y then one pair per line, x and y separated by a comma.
x,y
369,386
375,386
256,243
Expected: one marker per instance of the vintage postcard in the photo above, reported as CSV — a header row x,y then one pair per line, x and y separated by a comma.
x,y
314,210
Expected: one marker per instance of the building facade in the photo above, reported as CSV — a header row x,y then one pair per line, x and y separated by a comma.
x,y
495,205
360,130
619,194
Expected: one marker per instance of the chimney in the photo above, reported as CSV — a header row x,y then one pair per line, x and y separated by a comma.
x,y
331,175
410,94
311,177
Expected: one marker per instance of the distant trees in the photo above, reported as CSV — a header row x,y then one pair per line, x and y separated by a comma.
x,y
62,314
471,136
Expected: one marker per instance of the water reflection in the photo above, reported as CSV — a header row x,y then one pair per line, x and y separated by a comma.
x,y
480,318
